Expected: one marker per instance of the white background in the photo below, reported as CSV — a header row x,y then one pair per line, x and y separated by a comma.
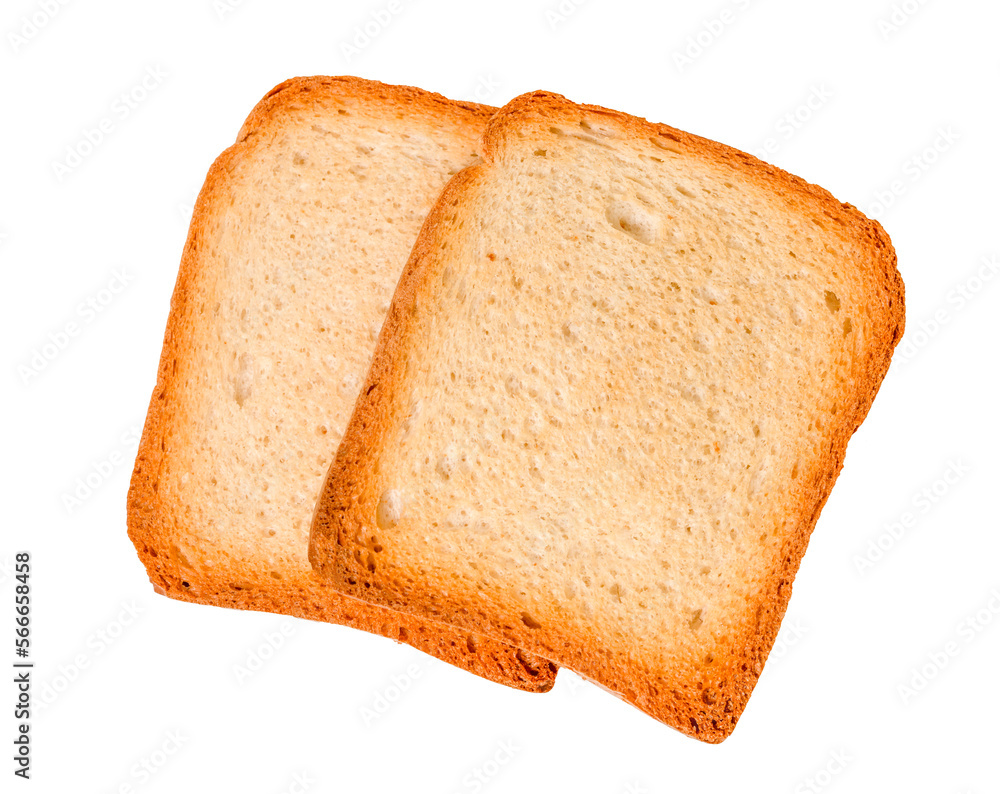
x,y
913,103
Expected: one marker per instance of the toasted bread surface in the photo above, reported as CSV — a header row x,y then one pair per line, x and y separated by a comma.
x,y
611,396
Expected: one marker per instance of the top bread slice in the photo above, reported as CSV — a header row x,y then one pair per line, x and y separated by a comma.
x,y
611,396
297,241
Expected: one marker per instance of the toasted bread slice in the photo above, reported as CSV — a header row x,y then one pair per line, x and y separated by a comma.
x,y
611,396
296,244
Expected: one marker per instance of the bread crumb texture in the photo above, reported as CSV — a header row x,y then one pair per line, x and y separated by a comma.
x,y
620,375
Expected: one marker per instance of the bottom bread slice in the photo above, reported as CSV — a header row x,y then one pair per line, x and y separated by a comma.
x,y
612,394
296,243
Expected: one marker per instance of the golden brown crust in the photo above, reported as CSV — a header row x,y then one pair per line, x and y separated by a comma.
x,y
705,710
150,522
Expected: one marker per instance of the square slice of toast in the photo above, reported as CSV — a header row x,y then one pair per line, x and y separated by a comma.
x,y
613,391
298,238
